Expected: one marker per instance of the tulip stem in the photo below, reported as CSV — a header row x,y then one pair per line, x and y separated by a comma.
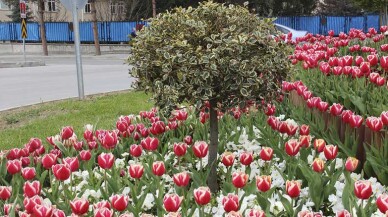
x,y
202,211
106,182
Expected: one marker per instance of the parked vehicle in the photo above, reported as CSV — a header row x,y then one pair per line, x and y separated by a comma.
x,y
286,30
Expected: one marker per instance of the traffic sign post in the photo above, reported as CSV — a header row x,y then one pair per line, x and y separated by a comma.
x,y
23,16
74,6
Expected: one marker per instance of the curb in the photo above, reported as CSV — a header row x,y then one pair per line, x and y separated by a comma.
x,y
21,64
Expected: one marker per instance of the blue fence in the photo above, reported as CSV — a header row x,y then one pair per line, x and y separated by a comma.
x,y
119,31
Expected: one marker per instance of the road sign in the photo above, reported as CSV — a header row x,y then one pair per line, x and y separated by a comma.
x,y
80,4
24,28
23,8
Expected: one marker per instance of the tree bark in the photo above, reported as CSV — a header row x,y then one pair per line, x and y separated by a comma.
x,y
213,150
153,8
95,28
42,26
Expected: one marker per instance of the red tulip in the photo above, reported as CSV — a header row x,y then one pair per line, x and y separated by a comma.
x,y
372,59
230,202
291,129
292,147
72,163
234,214
34,144
351,164
273,122
5,192
101,204
172,202
67,132
227,159
318,165
88,135
14,154
85,155
181,179
158,168
28,173
382,203
304,130
355,121
380,81
61,172
200,149
103,212
384,118
270,110
119,202
365,68
202,195
343,213
346,115
263,183
49,160
58,213
239,179
122,125
246,158
158,128
373,77
23,214
14,166
374,123
256,213
30,203
109,140
31,189
384,59
307,213
293,188
149,143
136,171
135,150
181,115
359,60
336,109
79,206
363,189
330,152
180,149
188,140
92,145
106,160
25,161
266,153
323,106
43,211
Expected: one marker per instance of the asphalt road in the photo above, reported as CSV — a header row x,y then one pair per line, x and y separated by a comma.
x,y
58,79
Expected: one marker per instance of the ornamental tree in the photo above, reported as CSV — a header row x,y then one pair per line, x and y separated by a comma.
x,y
217,53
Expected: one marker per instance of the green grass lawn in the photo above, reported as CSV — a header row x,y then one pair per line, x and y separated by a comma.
x,y
19,125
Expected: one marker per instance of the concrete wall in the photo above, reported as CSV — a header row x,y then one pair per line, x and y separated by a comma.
x,y
17,48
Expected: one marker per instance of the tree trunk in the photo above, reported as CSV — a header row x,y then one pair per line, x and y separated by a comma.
x,y
212,178
42,26
95,28
153,8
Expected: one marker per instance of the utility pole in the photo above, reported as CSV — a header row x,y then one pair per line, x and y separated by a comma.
x,y
42,27
95,27
154,8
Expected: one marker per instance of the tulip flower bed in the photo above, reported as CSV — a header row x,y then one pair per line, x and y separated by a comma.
x,y
152,166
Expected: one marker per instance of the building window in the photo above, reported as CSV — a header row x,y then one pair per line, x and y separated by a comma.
x,y
87,7
50,5
117,7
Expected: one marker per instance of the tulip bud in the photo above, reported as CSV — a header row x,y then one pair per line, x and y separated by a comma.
x,y
30,203
239,179
31,189
28,173
200,149
230,202
109,140
49,160
180,149
14,166
181,179
374,123
351,164
266,153
136,171
85,155
256,213
246,158
106,160
79,206
158,168
330,152
172,202
319,145
292,147
202,195
355,121
382,203
67,132
318,165
43,211
61,172
103,212
343,213
135,150
158,128
384,118
293,188
5,192
304,141
102,204
181,115
72,163
336,109
363,189
188,140
227,159
58,213
263,183
119,202
304,130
